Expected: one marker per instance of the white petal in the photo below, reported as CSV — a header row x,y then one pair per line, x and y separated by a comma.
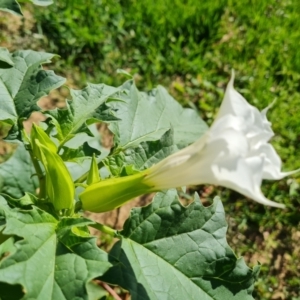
x,y
253,123
235,104
272,165
245,179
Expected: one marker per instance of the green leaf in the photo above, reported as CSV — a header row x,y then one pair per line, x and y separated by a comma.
x,y
96,292
5,59
169,251
17,174
143,156
69,233
44,267
6,245
147,116
33,263
85,263
11,6
86,107
82,152
24,202
22,85
83,146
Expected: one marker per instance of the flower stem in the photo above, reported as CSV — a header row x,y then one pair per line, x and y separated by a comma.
x,y
39,173
82,178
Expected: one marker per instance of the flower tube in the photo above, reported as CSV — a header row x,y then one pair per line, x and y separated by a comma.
x,y
233,153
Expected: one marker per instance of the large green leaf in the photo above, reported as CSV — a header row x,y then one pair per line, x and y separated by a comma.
x,y
147,116
17,174
49,262
86,107
173,252
22,85
11,6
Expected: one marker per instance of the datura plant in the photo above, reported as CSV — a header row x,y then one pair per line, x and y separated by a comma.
x,y
60,169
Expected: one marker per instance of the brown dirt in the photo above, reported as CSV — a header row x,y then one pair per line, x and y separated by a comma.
x,y
116,218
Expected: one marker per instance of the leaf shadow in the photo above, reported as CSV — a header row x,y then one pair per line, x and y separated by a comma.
x,y
11,291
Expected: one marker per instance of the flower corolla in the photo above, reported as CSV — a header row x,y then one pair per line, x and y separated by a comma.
x,y
233,153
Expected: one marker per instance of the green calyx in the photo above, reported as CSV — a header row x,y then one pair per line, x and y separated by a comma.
x,y
112,193
93,175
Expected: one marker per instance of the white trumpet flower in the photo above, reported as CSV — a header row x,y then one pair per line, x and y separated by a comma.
x,y
233,153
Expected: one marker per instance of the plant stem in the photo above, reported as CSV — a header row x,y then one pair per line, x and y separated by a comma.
x,y
105,229
109,289
37,167
40,174
82,178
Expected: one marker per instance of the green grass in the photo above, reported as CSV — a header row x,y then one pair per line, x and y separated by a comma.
x,y
190,47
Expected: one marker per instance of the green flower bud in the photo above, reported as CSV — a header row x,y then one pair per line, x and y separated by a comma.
x,y
59,184
112,193
37,133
